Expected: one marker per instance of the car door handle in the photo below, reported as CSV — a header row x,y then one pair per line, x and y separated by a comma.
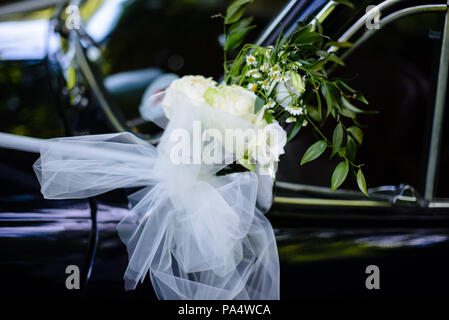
x,y
402,194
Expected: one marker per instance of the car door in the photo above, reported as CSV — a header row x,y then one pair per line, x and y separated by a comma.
x,y
39,239
328,239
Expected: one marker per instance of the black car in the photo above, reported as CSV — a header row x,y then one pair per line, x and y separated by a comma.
x,y
64,74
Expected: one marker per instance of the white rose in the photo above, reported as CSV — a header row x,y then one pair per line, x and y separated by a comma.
x,y
284,92
235,100
269,144
191,86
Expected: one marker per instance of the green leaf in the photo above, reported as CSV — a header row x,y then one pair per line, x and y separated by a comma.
x,y
337,139
307,37
236,10
339,175
344,86
328,91
295,129
322,53
318,101
268,117
236,38
360,97
316,65
240,24
350,107
334,58
297,81
347,113
259,104
314,151
357,133
350,149
361,182
302,28
345,2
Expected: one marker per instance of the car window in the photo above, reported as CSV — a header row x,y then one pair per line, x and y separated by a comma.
x,y
141,41
25,109
397,71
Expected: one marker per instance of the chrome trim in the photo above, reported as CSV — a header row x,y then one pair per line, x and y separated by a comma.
x,y
438,204
361,22
275,22
439,112
389,19
315,189
27,6
325,12
90,78
330,202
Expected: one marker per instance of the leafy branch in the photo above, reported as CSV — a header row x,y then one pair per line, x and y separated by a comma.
x,y
290,80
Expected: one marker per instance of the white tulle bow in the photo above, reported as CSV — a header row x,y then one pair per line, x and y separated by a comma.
x,y
199,235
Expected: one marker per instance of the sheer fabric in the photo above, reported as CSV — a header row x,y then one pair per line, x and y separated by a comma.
x,y
197,234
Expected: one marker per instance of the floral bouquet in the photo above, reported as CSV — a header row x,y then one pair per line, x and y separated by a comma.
x,y
197,225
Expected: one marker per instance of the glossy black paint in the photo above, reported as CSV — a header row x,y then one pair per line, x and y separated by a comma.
x,y
324,250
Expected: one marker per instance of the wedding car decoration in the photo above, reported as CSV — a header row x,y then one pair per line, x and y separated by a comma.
x,y
197,225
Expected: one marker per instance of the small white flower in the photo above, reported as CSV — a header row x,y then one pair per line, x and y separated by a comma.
x,y
264,84
251,72
284,78
304,124
294,110
251,60
269,51
271,104
252,86
296,65
275,69
265,67
276,76
290,120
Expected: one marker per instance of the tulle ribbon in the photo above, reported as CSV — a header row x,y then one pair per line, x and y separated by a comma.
x,y
197,234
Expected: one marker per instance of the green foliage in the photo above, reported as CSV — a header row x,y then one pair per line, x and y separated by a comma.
x,y
337,139
295,129
314,151
339,175
290,78
259,104
236,10
361,182
357,133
